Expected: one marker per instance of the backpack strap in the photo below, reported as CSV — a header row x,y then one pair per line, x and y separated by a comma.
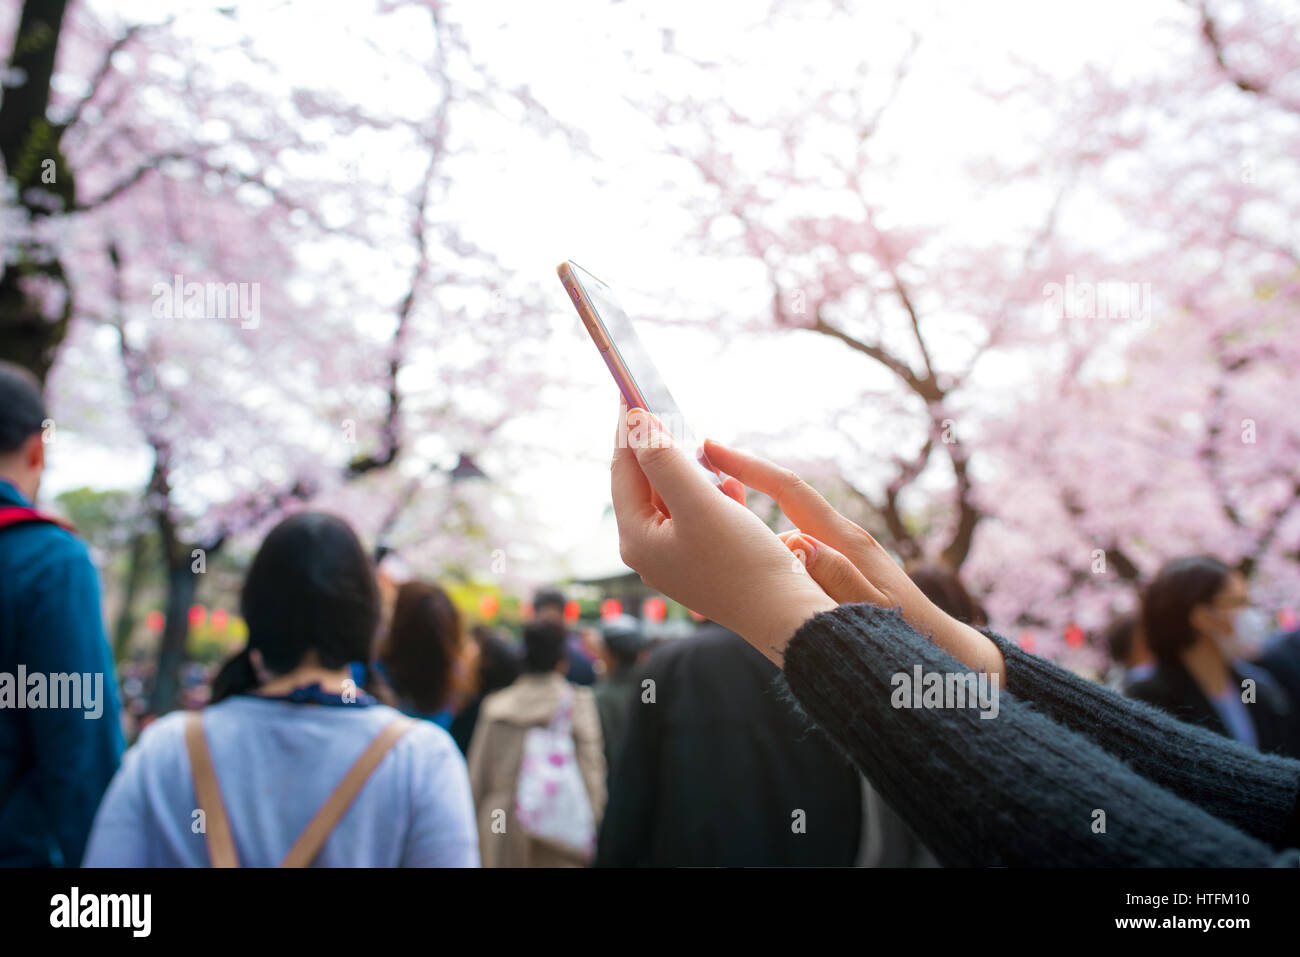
x,y
221,843
311,840
20,514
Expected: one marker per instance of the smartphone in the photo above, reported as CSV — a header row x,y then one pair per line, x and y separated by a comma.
x,y
628,362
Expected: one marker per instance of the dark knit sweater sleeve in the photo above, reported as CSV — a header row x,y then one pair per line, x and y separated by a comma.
x,y
1012,789
1255,792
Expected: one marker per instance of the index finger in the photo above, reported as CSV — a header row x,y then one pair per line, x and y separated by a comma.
x,y
802,504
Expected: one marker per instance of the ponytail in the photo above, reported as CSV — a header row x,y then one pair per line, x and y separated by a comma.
x,y
236,676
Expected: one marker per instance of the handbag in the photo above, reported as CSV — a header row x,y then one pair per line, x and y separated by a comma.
x,y
551,799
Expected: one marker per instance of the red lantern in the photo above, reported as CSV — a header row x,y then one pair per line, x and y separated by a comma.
x,y
220,619
1027,641
572,610
488,606
154,621
610,608
654,609
1074,636
198,615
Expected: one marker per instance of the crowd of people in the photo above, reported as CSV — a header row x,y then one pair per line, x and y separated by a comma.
x,y
364,724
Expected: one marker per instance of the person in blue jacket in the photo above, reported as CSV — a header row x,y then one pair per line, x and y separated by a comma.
x,y
60,725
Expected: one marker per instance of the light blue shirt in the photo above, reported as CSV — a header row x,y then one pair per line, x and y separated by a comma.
x,y
1232,711
1140,672
276,762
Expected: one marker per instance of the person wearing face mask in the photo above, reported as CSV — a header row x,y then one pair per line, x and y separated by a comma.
x,y
1203,631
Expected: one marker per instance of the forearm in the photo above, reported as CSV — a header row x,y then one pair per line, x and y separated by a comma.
x,y
1255,792
972,647
1013,789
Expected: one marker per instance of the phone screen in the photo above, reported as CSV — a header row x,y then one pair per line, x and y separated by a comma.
x,y
647,388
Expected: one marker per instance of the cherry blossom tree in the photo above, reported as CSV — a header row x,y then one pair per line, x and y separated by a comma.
x,y
1170,435
1102,377
262,270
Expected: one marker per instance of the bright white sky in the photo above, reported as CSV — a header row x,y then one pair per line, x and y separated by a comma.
x,y
539,207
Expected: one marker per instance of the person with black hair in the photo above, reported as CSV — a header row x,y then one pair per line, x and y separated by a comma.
x,y
295,762
1194,613
549,605
55,761
540,699
493,665
616,692
716,771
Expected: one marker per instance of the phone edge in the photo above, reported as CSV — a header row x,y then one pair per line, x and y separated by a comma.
x,y
599,334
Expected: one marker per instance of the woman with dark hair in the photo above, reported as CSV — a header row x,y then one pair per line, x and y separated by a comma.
x,y
1195,613
294,762
1066,773
420,654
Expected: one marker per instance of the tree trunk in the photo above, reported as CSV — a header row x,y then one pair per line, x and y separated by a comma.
x,y
33,325
126,616
182,586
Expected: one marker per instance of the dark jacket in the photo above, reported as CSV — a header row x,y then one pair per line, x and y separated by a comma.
x,y
1172,688
581,670
55,763
1068,773
1281,658
718,771
616,696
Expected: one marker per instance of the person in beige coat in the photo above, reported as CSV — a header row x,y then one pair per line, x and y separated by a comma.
x,y
497,749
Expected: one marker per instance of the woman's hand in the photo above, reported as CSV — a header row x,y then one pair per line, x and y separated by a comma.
x,y
698,544
848,563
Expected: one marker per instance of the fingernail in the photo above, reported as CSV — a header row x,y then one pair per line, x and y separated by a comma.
x,y
804,549
644,431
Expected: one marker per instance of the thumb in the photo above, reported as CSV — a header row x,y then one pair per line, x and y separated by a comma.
x,y
679,481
